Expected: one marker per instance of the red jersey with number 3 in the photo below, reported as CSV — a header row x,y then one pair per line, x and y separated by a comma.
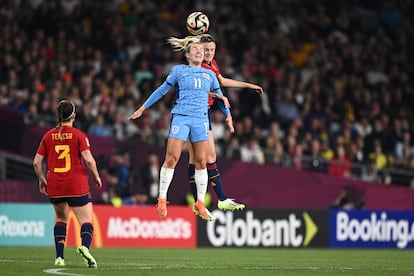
x,y
66,173
213,67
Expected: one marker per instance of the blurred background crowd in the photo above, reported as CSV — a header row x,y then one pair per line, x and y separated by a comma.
x,y
337,76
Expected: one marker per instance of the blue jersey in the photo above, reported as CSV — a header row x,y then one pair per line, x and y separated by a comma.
x,y
192,86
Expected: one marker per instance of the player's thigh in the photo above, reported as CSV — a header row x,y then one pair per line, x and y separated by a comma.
x,y
173,152
83,213
211,152
61,211
190,152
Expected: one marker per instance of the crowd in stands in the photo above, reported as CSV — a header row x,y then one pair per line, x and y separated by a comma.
x,y
337,75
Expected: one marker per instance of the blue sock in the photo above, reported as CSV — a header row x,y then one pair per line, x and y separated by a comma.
x,y
191,172
86,234
215,180
60,238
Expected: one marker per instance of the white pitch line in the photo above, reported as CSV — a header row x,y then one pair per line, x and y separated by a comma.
x,y
148,266
20,261
58,271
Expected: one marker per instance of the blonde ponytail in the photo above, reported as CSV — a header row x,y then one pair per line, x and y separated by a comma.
x,y
182,44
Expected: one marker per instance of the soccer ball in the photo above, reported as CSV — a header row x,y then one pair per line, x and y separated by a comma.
x,y
197,23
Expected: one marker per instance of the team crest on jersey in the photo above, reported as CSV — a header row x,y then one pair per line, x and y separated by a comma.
x,y
175,129
206,76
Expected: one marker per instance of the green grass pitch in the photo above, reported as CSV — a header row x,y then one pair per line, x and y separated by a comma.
x,y
210,261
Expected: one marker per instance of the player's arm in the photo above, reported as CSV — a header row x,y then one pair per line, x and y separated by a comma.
x,y
226,82
91,163
229,119
156,95
152,99
220,97
37,166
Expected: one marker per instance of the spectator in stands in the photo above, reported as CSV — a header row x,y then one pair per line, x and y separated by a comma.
x,y
32,115
340,164
370,172
287,109
379,157
297,158
316,162
118,177
343,201
150,178
100,128
233,149
403,142
251,151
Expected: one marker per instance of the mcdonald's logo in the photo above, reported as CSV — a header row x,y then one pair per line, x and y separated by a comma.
x,y
73,237
122,227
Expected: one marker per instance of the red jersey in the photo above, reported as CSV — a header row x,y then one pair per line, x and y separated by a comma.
x,y
213,67
66,173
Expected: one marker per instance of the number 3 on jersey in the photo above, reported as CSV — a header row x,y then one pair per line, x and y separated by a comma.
x,y
63,152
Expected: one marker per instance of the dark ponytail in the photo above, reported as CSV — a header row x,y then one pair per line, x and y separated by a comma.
x,y
64,111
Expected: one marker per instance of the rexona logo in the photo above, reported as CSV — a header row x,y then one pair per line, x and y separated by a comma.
x,y
148,229
374,229
21,228
289,229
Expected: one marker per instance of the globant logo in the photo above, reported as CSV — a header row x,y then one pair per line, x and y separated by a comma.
x,y
293,230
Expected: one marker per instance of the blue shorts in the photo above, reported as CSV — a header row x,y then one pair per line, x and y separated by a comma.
x,y
72,201
183,127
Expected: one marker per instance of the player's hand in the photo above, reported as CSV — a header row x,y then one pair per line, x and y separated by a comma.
x,y
98,181
257,88
229,122
137,113
43,186
225,101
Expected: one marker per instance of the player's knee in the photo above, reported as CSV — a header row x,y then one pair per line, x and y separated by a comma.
x,y
200,163
170,161
211,157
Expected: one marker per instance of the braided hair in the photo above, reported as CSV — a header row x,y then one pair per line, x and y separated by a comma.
x,y
64,111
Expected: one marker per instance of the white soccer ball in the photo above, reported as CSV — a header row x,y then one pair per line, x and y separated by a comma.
x,y
197,23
